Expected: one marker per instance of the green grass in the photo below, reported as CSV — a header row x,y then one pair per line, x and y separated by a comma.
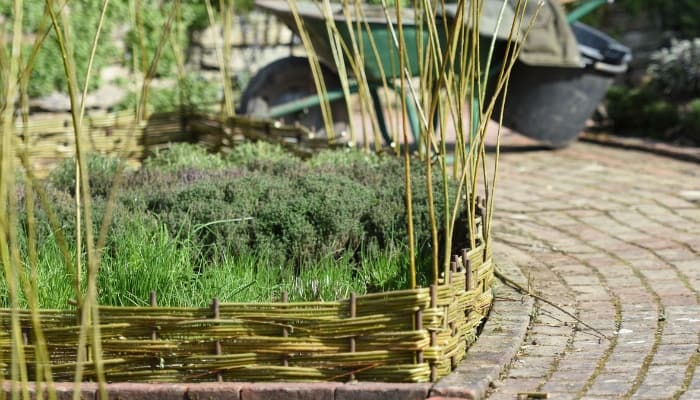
x,y
145,258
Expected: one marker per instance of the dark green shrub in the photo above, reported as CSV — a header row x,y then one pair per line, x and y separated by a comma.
x,y
261,202
691,120
316,215
101,170
63,206
678,16
674,72
251,154
658,110
661,116
179,156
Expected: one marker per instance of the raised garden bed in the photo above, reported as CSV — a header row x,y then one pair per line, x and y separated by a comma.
x,y
410,335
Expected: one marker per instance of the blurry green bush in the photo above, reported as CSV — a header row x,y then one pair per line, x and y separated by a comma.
x,y
667,105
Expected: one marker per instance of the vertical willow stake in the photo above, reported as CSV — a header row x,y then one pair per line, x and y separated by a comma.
x,y
89,310
419,327
154,303
433,334
285,331
18,367
467,270
353,314
217,344
406,150
154,330
453,328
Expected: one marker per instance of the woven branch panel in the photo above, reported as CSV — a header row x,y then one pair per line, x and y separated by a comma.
x,y
400,336
46,141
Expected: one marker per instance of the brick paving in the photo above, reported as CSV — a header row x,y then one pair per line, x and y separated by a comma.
x,y
613,237
609,235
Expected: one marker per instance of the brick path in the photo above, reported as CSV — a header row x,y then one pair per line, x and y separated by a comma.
x,y
613,236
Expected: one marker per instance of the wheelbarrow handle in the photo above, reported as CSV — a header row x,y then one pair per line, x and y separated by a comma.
x,y
584,9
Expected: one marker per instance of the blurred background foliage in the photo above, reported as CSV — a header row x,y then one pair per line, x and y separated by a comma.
x,y
660,98
48,75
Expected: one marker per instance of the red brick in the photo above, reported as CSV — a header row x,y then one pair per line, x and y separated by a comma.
x,y
146,391
445,398
215,391
468,393
64,391
382,391
289,391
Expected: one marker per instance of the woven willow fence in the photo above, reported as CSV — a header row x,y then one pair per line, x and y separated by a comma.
x,y
46,141
416,335
401,336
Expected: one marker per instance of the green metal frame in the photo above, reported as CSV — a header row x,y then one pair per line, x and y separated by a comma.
x,y
584,9
388,60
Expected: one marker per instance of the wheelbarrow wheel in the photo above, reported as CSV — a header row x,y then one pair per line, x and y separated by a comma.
x,y
289,79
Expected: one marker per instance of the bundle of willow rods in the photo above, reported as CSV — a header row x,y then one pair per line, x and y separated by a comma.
x,y
415,335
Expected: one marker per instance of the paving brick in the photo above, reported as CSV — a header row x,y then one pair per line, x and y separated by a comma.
x,y
382,391
679,339
289,391
145,391
654,392
690,395
670,375
611,385
674,354
562,386
64,391
632,227
447,398
214,391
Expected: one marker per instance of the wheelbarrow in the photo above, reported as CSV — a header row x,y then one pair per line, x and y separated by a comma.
x,y
285,89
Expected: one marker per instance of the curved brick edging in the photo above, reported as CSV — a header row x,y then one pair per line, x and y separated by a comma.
x,y
498,343
683,153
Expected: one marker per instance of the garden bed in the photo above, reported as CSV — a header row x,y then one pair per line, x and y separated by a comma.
x,y
318,289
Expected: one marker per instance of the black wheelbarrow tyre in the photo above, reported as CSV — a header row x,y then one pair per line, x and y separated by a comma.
x,y
289,79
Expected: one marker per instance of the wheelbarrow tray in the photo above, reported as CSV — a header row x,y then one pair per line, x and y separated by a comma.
x,y
369,29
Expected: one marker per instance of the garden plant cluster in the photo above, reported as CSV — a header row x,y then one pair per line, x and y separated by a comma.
x,y
243,226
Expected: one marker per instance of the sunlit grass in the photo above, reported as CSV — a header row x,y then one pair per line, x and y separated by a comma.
x,y
146,258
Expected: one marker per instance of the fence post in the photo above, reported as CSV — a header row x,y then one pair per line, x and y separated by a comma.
x,y
468,270
453,270
154,331
154,303
285,330
216,312
353,314
433,334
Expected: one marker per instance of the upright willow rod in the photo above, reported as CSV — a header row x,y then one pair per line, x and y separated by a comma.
x,y
400,45
316,71
18,368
